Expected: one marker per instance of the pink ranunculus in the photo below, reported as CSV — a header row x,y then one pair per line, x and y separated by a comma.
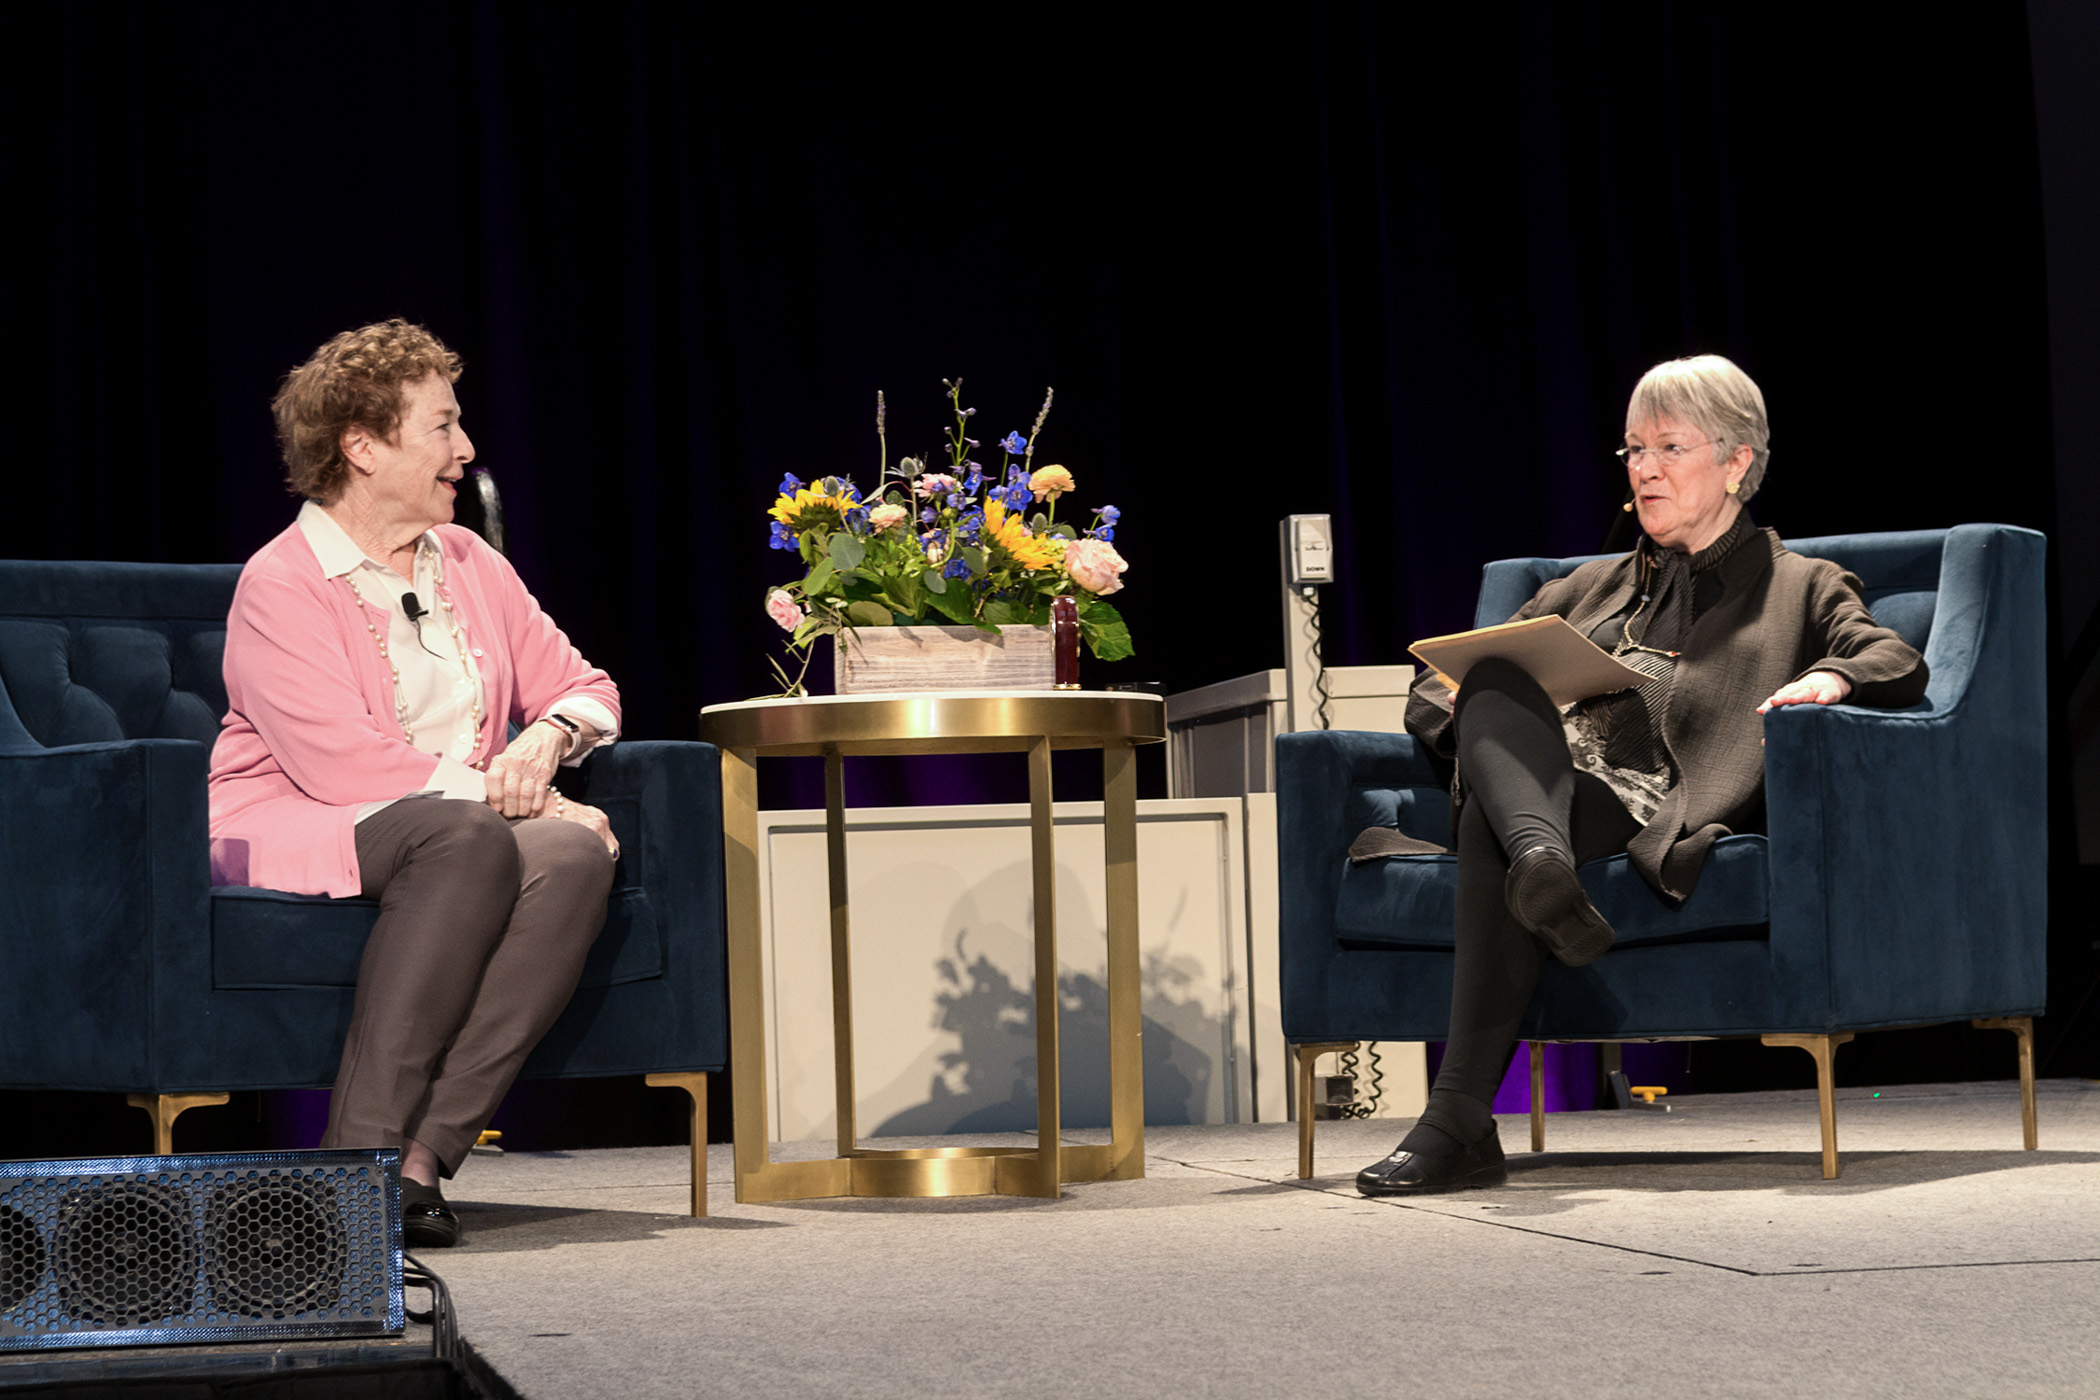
x,y
780,606
1094,566
887,516
938,484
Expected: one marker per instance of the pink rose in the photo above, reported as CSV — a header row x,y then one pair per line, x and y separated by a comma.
x,y
883,517
780,606
1094,566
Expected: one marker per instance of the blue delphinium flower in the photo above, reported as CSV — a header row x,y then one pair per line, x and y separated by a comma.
x,y
783,537
955,568
790,484
1018,497
1110,515
857,518
1013,443
929,515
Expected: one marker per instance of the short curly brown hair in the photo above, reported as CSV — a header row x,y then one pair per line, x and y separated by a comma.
x,y
354,381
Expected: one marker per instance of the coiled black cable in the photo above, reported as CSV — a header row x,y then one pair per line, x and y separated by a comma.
x,y
1321,713
444,1322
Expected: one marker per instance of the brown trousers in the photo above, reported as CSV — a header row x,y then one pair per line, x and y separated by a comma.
x,y
484,923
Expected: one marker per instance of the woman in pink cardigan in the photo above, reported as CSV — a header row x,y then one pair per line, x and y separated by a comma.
x,y
376,656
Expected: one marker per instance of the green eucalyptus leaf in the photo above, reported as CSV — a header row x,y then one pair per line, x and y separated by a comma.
x,y
846,551
819,577
974,557
867,614
934,580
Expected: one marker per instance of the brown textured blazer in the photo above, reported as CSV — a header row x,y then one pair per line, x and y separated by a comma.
x,y
1779,616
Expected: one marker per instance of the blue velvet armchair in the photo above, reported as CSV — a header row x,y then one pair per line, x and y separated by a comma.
x,y
1901,881
126,971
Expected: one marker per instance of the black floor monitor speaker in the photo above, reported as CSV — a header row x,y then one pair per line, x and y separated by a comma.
x,y
133,1251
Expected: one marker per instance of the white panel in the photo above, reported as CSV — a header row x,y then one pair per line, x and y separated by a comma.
x,y
944,1015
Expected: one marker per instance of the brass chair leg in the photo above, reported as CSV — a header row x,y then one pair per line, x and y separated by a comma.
x,y
1538,1097
1824,1048
164,1109
1307,1054
2023,1027
695,1085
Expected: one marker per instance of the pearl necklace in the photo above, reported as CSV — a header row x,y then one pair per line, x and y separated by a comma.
x,y
437,568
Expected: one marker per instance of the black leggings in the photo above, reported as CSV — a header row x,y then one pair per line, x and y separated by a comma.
x,y
1522,791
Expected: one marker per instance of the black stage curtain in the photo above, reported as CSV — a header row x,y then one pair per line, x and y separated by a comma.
x,y
1395,263
1399,266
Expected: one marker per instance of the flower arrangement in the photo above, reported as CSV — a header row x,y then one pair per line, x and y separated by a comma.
x,y
963,546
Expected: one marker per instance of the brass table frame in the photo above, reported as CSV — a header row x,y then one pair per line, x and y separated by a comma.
x,y
928,722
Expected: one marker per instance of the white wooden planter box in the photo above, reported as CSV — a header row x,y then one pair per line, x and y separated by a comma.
x,y
871,659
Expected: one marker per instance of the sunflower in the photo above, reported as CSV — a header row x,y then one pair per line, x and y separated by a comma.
x,y
1007,532
806,508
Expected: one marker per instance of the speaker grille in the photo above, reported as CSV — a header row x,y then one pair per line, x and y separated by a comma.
x,y
274,1246
126,1255
203,1248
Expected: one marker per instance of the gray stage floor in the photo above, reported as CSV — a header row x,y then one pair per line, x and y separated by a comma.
x,y
1690,1254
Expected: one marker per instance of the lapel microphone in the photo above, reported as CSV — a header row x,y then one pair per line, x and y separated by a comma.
x,y
413,606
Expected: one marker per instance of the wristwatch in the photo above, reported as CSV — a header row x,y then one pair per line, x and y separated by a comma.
x,y
567,726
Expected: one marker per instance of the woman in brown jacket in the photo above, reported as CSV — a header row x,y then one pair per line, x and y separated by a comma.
x,y
1726,623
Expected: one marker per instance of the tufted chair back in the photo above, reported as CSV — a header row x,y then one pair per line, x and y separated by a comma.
x,y
95,653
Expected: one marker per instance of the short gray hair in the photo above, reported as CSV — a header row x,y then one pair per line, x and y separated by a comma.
x,y
1714,396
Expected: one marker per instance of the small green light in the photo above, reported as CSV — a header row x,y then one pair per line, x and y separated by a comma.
x,y
1877,1093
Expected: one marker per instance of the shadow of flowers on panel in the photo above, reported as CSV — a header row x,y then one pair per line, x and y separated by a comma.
x,y
988,1083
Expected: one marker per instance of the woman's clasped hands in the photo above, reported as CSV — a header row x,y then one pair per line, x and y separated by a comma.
x,y
520,783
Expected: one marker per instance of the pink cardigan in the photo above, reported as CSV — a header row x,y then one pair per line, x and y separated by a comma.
x,y
310,735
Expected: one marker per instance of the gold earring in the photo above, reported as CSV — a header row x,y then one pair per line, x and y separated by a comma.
x,y
1734,486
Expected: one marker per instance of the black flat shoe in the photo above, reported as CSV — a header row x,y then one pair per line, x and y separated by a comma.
x,y
426,1221
1547,897
1432,1172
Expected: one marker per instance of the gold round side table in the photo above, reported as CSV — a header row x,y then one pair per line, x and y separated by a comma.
x,y
928,722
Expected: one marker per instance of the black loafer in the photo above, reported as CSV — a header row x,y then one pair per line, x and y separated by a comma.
x,y
1546,896
1429,1173
426,1221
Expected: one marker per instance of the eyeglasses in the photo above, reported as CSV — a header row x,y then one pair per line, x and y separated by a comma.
x,y
1669,456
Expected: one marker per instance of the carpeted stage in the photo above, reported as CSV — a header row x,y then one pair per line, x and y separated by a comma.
x,y
1690,1254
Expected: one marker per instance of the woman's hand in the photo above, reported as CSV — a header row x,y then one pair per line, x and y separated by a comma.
x,y
518,778
1815,688
562,809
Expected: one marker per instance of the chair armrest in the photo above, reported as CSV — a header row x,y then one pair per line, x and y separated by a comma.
x,y
1913,844
104,888
664,800
1330,785
1910,852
